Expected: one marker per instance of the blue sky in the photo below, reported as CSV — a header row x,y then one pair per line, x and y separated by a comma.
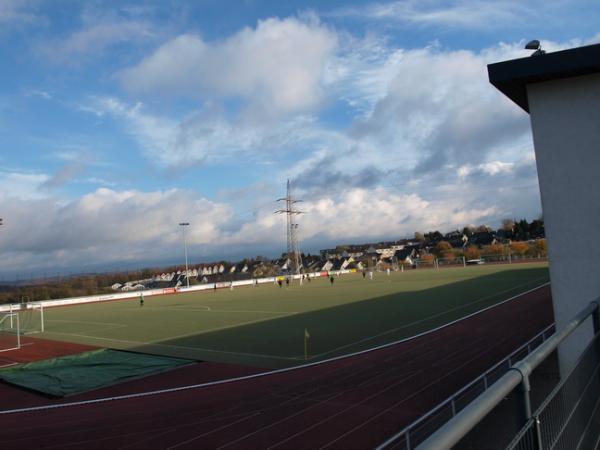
x,y
118,120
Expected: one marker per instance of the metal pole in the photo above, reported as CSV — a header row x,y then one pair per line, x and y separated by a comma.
x,y
596,317
187,278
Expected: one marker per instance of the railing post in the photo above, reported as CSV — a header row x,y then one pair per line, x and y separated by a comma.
x,y
524,414
596,317
524,401
538,433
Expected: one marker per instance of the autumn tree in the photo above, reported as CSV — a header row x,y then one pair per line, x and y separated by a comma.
x,y
472,252
539,248
427,258
519,248
442,248
494,249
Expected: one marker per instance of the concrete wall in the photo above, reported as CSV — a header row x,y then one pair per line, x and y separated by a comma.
x,y
565,120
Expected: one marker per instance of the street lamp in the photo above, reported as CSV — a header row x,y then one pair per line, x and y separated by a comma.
x,y
183,225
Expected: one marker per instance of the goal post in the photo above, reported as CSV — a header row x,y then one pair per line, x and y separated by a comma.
x,y
10,332
31,318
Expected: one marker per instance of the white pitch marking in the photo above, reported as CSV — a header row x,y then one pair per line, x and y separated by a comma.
x,y
431,317
256,375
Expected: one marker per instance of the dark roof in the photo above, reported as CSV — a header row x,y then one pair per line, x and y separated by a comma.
x,y
512,77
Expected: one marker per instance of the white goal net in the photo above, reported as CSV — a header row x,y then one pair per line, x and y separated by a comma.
x,y
9,332
31,317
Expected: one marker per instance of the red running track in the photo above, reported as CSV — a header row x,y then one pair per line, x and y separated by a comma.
x,y
354,402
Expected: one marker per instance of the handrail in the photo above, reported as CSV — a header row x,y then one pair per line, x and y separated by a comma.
x,y
456,428
455,395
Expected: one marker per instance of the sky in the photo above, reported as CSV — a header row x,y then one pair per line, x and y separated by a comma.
x,y
119,120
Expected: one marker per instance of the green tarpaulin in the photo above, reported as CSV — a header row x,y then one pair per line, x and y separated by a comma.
x,y
74,374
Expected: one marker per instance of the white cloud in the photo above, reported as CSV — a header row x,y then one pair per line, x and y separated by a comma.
x,y
488,168
93,39
207,136
21,185
278,67
14,12
458,14
106,226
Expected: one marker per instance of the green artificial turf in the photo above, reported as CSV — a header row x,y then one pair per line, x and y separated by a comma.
x,y
264,325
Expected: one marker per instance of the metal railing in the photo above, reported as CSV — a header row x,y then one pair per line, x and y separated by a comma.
x,y
563,420
553,423
419,430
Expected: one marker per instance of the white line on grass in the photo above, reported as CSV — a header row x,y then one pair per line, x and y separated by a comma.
x,y
178,347
241,311
426,319
257,375
86,322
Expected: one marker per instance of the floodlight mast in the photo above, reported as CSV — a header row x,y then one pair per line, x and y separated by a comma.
x,y
293,248
183,225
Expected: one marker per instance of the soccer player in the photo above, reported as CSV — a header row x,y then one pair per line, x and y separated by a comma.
x,y
141,300
331,279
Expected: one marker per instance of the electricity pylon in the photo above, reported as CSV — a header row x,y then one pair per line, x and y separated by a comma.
x,y
293,250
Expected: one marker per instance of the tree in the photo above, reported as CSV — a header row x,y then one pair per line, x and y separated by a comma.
x,y
472,252
469,230
427,258
540,248
494,249
508,224
519,248
419,236
441,248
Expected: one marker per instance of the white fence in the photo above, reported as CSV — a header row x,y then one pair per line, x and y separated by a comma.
x,y
164,291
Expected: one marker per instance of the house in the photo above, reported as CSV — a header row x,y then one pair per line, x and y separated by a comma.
x,y
482,238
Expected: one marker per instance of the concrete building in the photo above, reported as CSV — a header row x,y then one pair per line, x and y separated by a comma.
x,y
561,92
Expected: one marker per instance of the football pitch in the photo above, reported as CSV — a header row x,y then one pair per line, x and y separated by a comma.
x,y
265,325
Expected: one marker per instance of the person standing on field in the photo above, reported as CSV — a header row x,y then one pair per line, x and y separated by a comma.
x,y
141,300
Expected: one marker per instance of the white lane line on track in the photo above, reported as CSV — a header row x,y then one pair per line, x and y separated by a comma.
x,y
302,411
425,319
258,375
8,365
414,394
354,405
213,431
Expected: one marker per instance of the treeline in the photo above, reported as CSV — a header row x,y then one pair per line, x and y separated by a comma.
x,y
511,230
518,249
72,286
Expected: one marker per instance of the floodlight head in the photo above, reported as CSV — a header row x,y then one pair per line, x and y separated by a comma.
x,y
533,45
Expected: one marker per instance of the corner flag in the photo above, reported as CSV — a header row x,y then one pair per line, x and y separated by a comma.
x,y
306,337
